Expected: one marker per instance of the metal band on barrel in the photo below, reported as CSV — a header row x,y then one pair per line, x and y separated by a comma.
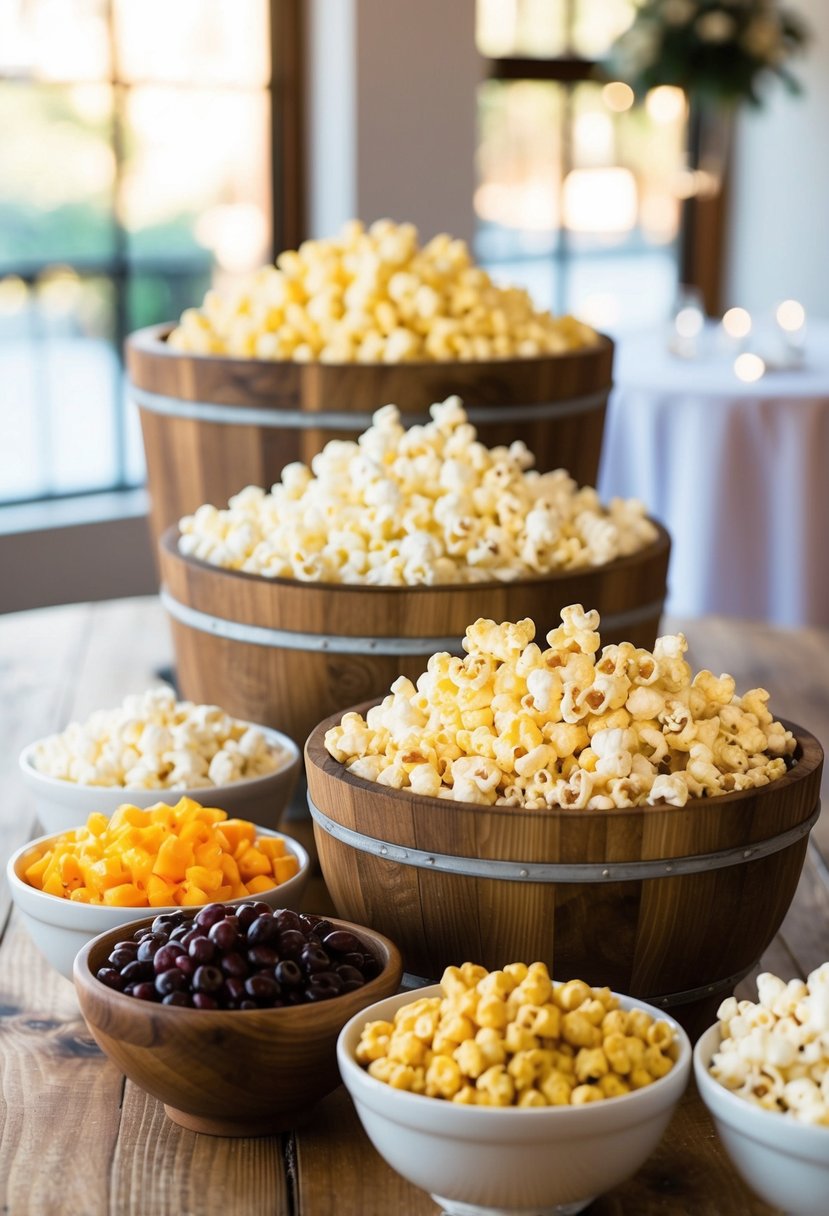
x,y
292,639
579,872
343,420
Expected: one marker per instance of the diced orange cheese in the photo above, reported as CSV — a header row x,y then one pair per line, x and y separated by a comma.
x,y
208,880
127,895
285,868
161,856
259,884
253,863
173,859
272,846
236,830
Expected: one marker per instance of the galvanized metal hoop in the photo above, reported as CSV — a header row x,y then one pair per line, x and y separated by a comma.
x,y
225,414
552,872
291,639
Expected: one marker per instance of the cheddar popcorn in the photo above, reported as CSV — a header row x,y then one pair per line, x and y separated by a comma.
x,y
375,296
154,742
456,1047
428,505
775,1052
574,725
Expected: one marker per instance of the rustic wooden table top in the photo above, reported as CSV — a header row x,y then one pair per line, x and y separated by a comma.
x,y
76,1139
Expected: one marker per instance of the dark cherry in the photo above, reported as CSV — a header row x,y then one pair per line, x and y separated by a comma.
x,y
262,931
207,979
178,998
210,914
202,950
169,981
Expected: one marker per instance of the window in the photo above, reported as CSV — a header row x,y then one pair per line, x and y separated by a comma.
x,y
579,188
141,156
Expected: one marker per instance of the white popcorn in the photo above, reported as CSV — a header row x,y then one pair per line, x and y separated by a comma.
x,y
154,742
512,724
427,505
775,1053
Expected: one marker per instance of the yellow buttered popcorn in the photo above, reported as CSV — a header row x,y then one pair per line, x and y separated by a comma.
x,y
375,296
522,1057
574,725
429,504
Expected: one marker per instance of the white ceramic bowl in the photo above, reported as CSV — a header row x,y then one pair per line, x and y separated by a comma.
x,y
62,805
784,1162
60,927
539,1161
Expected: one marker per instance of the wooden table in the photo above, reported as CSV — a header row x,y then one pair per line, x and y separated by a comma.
x,y
77,1140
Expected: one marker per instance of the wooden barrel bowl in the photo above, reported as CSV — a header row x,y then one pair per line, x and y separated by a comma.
x,y
287,653
212,424
672,905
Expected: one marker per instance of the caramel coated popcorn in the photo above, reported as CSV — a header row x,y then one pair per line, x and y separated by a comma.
x,y
514,1038
574,725
375,296
775,1051
430,504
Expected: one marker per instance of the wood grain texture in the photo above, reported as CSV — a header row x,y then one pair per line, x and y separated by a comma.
x,y
652,937
228,1072
294,689
75,1139
191,462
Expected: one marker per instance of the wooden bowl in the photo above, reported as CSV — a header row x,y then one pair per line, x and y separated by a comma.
x,y
288,653
213,424
669,904
227,1072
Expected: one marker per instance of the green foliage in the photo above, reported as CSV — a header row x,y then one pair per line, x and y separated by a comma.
x,y
716,50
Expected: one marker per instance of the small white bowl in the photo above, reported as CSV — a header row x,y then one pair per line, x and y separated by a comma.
x,y
538,1160
62,805
60,927
785,1162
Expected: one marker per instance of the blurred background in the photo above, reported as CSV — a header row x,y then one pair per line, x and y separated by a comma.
x,y
149,149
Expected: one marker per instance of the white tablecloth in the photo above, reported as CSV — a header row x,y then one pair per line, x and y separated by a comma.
x,y
736,472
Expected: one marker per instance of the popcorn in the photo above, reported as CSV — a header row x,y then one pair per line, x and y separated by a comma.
x,y
775,1053
375,296
571,726
425,505
154,742
489,1040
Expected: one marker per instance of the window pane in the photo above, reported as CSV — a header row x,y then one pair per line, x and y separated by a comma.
x,y
597,23
622,293
58,357
57,171
522,27
55,39
519,159
204,41
196,180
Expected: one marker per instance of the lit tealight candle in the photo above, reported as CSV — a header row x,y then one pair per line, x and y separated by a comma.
x,y
737,323
791,316
749,367
688,322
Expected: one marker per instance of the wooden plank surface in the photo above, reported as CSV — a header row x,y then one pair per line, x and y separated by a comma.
x,y
75,1138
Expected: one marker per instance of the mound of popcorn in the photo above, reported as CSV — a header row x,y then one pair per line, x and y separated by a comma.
x,y
775,1052
514,1038
154,742
430,504
571,726
375,296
